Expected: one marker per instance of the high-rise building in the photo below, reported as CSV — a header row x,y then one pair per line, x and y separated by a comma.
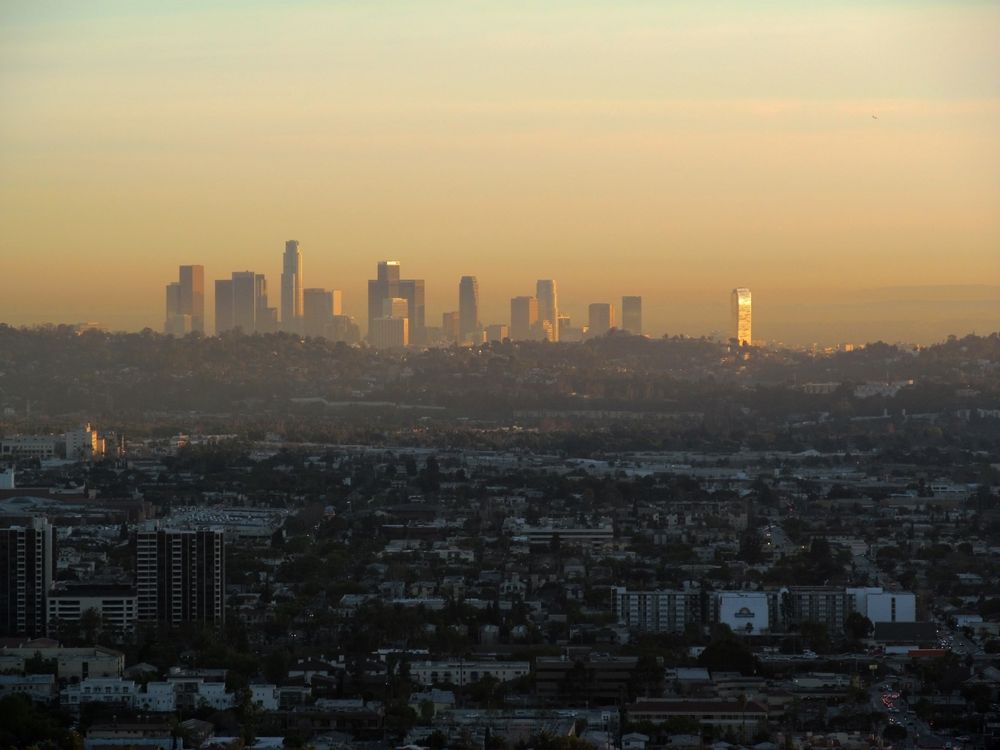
x,y
223,305
266,317
741,316
497,332
384,286
601,318
27,562
548,305
632,314
245,301
450,325
192,280
523,317
181,576
388,285
177,324
396,307
186,302
389,333
468,307
319,306
412,290
292,303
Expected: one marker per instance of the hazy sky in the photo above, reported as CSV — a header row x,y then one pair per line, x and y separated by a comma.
x,y
673,150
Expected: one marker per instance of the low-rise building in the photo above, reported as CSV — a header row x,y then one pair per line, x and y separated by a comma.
x,y
71,663
41,688
461,672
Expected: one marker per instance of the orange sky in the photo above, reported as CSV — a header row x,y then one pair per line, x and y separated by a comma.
x,y
668,150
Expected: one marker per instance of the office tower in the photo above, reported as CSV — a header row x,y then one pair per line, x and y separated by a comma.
x,y
384,286
186,302
468,307
192,301
523,317
177,324
548,305
601,318
245,301
741,316
27,562
497,332
395,307
390,333
343,328
319,307
412,290
180,576
223,305
450,325
292,303
632,315
266,317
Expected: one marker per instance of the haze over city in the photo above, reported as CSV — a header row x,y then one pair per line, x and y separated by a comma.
x,y
840,160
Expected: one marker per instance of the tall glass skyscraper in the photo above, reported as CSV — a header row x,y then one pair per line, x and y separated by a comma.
x,y
468,307
291,286
548,305
741,316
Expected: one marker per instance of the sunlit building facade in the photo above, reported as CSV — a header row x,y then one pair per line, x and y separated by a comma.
x,y
741,316
548,307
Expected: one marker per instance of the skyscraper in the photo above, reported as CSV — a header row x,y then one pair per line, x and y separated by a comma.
x,y
223,305
27,562
185,302
523,317
741,316
497,332
181,576
176,323
266,317
292,308
389,333
468,307
548,305
245,301
412,290
450,325
384,286
319,306
192,280
632,315
601,318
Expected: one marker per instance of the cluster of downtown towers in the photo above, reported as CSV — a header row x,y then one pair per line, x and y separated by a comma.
x,y
396,310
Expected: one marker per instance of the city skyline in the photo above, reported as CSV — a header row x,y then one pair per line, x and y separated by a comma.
x,y
663,151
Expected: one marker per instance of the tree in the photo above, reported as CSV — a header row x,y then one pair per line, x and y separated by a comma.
x,y
728,653
858,627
